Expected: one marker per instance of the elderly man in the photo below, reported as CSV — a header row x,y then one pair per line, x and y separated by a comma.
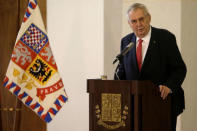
x,y
155,57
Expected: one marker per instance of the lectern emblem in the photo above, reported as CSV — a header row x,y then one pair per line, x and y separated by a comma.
x,y
110,115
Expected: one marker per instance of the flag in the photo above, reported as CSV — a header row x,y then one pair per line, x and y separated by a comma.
x,y
32,74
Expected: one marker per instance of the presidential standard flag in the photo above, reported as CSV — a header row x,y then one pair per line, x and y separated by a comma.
x,y
32,74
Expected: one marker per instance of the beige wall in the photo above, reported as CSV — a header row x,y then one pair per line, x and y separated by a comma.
x,y
189,51
112,34
75,30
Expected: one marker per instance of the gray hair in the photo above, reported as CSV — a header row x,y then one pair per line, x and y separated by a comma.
x,y
135,6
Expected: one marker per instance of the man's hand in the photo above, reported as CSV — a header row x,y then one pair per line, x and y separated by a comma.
x,y
164,91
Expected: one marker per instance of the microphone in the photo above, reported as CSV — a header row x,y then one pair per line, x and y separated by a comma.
x,y
124,52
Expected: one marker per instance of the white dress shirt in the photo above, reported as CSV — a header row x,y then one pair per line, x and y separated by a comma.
x,y
145,44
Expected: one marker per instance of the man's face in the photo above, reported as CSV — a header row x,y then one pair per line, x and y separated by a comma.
x,y
139,22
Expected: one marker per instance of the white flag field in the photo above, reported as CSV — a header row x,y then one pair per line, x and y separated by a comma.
x,y
32,74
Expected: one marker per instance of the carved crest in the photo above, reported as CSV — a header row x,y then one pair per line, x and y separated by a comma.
x,y
111,116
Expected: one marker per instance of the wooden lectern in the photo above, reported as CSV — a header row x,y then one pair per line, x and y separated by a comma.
x,y
121,105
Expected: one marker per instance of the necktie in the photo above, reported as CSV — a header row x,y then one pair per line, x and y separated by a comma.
x,y
139,53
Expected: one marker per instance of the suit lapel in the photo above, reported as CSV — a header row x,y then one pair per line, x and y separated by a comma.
x,y
134,59
149,50
132,56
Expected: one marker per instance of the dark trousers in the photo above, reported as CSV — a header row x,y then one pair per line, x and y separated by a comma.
x,y
173,122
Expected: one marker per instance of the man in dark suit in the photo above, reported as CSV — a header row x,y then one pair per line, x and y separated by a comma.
x,y
155,56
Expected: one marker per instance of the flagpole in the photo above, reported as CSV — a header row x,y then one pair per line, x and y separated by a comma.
x,y
15,109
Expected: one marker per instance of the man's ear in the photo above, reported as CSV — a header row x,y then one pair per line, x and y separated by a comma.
x,y
129,22
149,17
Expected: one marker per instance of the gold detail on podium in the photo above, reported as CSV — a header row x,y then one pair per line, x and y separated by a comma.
x,y
10,109
110,114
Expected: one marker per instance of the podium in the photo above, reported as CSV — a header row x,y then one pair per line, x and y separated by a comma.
x,y
122,105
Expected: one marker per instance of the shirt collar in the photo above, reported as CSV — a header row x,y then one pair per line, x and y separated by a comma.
x,y
146,38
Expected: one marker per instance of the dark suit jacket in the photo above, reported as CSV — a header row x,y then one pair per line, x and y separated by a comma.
x,y
163,65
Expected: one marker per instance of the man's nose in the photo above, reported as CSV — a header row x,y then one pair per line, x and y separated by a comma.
x,y
139,23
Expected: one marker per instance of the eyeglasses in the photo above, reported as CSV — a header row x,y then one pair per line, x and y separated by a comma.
x,y
141,20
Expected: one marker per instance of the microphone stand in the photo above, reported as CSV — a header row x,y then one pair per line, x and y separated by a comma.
x,y
116,72
119,59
